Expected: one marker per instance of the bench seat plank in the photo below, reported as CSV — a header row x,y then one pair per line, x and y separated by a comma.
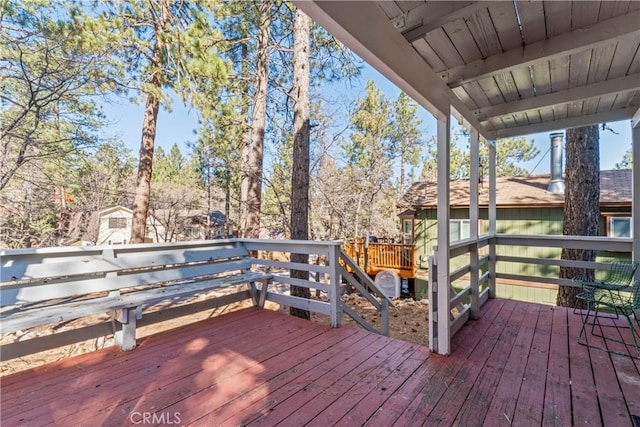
x,y
17,319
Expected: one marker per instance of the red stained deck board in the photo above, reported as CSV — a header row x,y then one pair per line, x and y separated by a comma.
x,y
307,388
262,361
285,385
446,410
442,379
106,390
396,405
505,399
245,405
344,394
130,364
610,398
529,409
204,404
557,398
240,359
476,404
362,411
584,397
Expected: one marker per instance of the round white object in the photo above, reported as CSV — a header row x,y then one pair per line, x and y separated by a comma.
x,y
389,283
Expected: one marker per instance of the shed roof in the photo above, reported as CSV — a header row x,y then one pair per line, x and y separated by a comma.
x,y
521,191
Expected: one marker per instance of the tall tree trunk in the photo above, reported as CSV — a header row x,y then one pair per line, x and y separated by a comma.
x,y
145,162
300,173
582,202
244,161
258,121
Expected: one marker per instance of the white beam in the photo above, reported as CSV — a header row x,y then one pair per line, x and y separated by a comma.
x,y
443,296
474,217
559,46
635,120
417,22
610,87
571,122
364,28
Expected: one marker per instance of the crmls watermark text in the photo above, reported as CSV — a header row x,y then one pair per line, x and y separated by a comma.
x,y
155,418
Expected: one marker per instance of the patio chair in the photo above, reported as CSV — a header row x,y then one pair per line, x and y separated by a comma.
x,y
618,277
625,302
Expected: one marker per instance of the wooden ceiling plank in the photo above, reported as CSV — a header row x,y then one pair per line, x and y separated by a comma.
x,y
574,109
537,117
562,45
435,14
440,43
507,86
464,97
541,78
432,58
625,51
505,22
600,64
634,68
583,120
590,106
560,112
556,13
609,9
559,71
532,20
584,13
579,68
484,33
491,89
575,94
606,102
545,115
477,94
461,37
522,80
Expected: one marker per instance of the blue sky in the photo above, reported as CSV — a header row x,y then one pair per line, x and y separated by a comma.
x,y
179,125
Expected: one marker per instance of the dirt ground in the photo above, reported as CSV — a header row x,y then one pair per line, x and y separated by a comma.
x,y
407,321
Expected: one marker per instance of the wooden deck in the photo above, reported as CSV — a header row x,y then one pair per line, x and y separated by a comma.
x,y
519,364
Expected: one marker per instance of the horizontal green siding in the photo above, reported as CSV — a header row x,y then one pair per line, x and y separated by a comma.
x,y
527,221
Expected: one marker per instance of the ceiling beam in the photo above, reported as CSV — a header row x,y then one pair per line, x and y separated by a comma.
x,y
364,28
581,93
416,23
571,122
559,46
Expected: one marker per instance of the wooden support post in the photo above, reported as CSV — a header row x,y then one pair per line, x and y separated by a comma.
x,y
334,290
474,178
125,333
635,185
443,280
493,215
433,301
385,317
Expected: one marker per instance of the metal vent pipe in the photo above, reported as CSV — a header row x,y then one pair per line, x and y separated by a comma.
x,y
557,181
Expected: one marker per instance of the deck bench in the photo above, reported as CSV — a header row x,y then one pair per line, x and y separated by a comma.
x,y
41,286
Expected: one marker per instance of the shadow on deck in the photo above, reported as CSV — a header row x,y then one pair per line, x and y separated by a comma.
x,y
519,364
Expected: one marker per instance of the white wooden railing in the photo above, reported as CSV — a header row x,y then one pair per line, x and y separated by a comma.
x,y
476,278
273,255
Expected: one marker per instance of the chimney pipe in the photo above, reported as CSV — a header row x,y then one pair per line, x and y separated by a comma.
x,y
556,185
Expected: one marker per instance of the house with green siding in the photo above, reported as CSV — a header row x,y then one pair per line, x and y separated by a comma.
x,y
524,206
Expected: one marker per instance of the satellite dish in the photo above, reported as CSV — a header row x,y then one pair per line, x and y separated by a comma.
x,y
389,283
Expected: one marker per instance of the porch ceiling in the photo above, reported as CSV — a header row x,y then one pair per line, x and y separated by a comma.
x,y
506,68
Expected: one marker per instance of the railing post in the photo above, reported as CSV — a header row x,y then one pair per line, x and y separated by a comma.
x,y
433,301
385,317
336,279
474,217
493,216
